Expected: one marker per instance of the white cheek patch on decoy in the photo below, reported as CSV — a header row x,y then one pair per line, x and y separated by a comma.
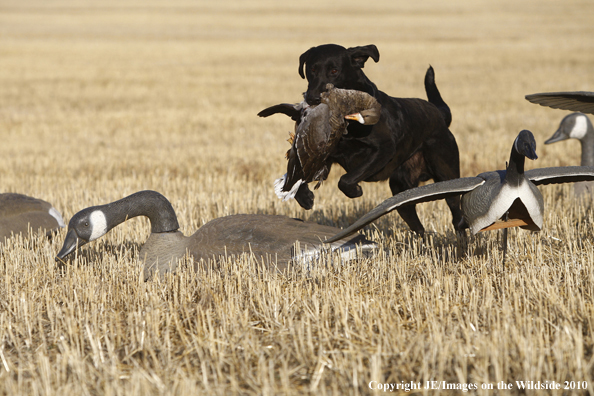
x,y
56,215
579,128
98,224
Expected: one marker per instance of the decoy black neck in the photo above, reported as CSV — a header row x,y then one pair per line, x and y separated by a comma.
x,y
515,167
143,203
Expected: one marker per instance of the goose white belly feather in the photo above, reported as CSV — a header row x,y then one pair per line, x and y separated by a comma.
x,y
505,197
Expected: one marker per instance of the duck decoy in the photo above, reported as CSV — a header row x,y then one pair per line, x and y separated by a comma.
x,y
578,126
20,212
575,101
269,236
318,129
492,200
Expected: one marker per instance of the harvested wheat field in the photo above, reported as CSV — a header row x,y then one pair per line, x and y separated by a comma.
x,y
102,99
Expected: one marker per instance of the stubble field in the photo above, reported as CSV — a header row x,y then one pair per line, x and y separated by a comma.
x,y
102,99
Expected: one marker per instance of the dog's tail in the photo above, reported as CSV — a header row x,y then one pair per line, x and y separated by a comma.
x,y
435,97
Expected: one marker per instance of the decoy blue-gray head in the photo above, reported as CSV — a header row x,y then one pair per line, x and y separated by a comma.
x,y
84,227
572,126
525,144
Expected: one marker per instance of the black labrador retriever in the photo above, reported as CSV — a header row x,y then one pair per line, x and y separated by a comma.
x,y
410,143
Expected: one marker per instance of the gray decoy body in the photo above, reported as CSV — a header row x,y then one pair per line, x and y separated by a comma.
x,y
582,101
269,236
491,200
19,213
318,129
578,126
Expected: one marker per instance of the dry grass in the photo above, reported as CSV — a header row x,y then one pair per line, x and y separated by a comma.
x,y
103,99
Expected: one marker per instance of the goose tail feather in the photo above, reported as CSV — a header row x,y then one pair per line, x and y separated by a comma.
x,y
348,249
282,194
56,215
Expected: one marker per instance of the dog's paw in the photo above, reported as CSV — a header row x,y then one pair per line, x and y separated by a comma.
x,y
305,197
350,190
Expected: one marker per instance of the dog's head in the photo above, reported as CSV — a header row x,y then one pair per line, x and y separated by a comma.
x,y
331,63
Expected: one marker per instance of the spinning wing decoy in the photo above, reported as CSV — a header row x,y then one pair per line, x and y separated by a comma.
x,y
575,101
491,200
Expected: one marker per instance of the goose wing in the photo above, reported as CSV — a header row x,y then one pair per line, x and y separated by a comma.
x,y
311,141
291,110
575,101
294,170
561,174
429,192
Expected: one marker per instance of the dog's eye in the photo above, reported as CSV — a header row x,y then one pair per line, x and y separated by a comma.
x,y
333,72
313,69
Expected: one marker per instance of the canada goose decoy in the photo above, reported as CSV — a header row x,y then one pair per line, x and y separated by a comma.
x,y
19,212
578,126
575,101
318,129
491,200
264,235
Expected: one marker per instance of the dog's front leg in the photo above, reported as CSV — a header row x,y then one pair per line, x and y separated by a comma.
x,y
350,189
369,164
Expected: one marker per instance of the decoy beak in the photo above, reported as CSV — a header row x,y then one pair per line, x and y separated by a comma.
x,y
557,137
531,153
71,242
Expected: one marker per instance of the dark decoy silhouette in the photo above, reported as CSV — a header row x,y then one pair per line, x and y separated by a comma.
x,y
318,129
492,200
280,240
578,126
19,213
582,101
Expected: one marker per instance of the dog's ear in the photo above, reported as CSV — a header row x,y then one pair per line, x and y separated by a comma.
x,y
359,55
302,59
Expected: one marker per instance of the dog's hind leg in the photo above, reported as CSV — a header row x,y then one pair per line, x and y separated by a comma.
x,y
398,183
443,161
